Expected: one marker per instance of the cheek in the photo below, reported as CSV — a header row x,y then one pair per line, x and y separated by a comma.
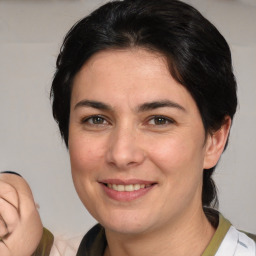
x,y
86,158
181,163
85,155
180,160
174,151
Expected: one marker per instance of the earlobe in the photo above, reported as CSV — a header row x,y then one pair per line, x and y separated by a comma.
x,y
215,144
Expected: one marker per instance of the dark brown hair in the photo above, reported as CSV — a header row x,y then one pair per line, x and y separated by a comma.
x,y
199,58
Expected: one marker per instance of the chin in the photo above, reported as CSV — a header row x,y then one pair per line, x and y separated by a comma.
x,y
126,228
127,223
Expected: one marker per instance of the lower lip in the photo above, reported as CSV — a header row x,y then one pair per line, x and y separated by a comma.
x,y
125,196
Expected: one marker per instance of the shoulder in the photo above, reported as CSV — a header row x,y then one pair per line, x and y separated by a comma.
x,y
227,240
52,245
237,243
252,236
93,243
63,246
246,245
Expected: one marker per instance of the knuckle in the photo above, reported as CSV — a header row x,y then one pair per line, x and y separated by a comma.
x,y
8,193
9,215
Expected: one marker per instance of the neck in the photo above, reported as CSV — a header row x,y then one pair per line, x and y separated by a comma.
x,y
177,239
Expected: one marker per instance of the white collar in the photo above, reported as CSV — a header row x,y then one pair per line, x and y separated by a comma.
x,y
236,243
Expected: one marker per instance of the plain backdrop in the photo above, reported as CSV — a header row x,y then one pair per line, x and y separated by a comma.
x,y
31,33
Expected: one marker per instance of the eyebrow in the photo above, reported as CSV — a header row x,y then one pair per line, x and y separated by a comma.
x,y
159,104
93,104
141,108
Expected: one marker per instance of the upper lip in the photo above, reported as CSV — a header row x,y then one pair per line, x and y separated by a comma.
x,y
126,182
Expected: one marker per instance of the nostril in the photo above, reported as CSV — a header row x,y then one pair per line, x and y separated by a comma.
x,y
131,163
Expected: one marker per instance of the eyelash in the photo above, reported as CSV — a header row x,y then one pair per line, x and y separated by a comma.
x,y
165,119
101,120
93,118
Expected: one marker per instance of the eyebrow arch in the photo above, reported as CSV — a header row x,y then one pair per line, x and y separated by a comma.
x,y
92,104
159,104
144,107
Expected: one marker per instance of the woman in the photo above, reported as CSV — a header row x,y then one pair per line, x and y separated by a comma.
x,y
144,96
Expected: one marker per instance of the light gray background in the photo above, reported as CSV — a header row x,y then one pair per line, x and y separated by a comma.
x,y
30,36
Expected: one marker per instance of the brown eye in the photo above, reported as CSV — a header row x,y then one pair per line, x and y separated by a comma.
x,y
95,120
160,120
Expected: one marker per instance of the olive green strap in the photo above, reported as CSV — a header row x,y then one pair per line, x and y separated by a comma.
x,y
218,237
45,245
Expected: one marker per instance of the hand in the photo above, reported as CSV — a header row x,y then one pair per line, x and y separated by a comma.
x,y
20,224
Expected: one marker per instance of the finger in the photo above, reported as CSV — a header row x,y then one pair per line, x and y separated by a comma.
x,y
17,184
4,251
10,215
27,234
9,193
3,228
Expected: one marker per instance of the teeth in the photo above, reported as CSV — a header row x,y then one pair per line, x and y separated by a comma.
x,y
127,188
136,186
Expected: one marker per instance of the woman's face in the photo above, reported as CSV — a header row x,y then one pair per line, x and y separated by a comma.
x,y
136,141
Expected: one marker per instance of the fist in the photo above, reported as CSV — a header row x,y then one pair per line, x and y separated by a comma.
x,y
20,224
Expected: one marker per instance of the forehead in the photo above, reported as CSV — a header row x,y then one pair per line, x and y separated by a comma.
x,y
132,75
136,62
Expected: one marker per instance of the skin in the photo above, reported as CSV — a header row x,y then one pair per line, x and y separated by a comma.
x,y
20,224
116,132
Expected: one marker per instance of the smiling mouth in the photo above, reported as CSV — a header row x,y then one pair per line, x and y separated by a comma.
x,y
127,188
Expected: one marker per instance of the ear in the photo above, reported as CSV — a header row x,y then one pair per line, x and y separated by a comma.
x,y
215,144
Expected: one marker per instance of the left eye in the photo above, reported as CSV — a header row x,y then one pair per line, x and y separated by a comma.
x,y
95,120
160,120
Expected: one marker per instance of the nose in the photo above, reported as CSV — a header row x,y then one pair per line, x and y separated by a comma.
x,y
125,150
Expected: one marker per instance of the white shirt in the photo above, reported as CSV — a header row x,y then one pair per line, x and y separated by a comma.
x,y
235,243
65,247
